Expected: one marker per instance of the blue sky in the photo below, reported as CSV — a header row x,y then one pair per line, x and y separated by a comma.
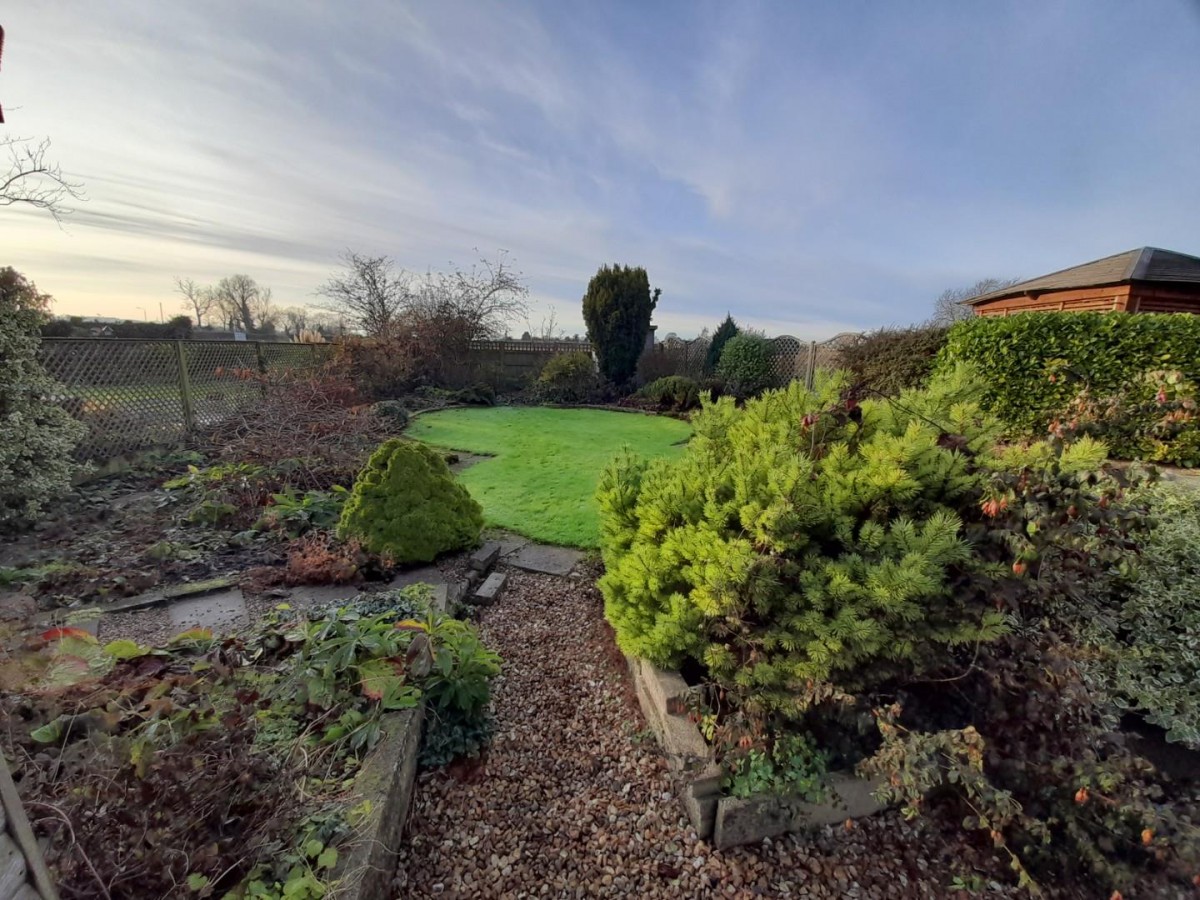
x,y
811,167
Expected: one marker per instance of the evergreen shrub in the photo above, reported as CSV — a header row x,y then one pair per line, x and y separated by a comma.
x,y
1105,352
406,505
674,392
568,378
890,360
37,436
745,365
788,545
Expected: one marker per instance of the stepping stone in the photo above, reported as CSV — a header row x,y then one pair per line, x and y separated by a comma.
x,y
511,543
546,559
489,591
485,557
221,612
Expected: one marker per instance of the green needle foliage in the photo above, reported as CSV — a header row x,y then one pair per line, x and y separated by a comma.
x,y
792,544
406,505
617,309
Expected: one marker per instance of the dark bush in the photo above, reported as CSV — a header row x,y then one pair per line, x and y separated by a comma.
x,y
568,378
891,360
673,392
745,365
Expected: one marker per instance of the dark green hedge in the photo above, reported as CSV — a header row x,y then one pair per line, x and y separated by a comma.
x,y
894,359
1103,350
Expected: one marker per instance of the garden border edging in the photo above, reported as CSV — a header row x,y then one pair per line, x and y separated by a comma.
x,y
730,821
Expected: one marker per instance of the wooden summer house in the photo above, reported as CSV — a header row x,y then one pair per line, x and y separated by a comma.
x,y
1147,280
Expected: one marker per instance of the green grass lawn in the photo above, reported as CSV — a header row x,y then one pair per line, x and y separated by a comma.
x,y
547,462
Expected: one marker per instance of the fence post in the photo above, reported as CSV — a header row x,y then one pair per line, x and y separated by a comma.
x,y
811,367
185,388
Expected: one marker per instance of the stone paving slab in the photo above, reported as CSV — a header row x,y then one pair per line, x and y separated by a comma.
x,y
546,559
314,596
510,544
220,612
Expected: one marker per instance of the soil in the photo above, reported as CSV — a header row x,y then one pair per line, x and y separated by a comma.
x,y
119,537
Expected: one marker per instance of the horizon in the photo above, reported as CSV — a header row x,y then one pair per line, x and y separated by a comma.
x,y
810,171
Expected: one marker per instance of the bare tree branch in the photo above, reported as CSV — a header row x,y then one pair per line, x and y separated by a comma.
x,y
198,299
35,180
949,308
243,302
368,291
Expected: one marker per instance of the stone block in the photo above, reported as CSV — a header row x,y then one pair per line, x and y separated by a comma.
x,y
367,863
748,821
483,559
489,592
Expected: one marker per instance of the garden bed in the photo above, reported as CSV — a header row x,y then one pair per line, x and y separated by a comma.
x,y
731,821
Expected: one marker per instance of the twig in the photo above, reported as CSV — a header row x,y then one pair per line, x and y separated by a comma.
x,y
75,845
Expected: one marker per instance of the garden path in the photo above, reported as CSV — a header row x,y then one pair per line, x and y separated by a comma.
x,y
574,799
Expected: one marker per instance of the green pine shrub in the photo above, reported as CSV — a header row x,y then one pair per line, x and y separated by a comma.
x,y
37,436
745,365
790,545
674,392
890,360
406,505
568,378
1105,352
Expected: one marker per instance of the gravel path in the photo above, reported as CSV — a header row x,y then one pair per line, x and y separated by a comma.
x,y
574,800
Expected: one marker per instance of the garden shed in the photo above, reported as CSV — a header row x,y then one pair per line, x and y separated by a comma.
x,y
1146,280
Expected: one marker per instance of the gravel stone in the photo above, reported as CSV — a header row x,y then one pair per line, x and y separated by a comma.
x,y
574,800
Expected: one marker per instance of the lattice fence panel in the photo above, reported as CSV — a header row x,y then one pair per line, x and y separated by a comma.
x,y
789,359
126,392
135,394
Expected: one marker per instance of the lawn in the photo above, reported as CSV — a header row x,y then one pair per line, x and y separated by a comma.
x,y
546,462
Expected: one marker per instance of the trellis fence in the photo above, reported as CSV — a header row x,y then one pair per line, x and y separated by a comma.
x,y
136,394
791,358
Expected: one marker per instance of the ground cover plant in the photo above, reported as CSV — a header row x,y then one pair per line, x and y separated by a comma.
x,y
542,480
227,766
885,580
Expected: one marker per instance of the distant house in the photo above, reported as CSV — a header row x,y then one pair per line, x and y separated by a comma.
x,y
1147,280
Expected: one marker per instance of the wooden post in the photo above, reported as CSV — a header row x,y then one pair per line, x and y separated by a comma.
x,y
811,368
185,388
15,822
262,366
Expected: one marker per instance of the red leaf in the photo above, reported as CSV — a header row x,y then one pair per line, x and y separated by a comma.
x,y
57,634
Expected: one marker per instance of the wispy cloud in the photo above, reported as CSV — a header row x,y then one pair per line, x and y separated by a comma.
x,y
811,169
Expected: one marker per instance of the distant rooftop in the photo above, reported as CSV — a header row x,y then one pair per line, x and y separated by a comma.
x,y
1143,264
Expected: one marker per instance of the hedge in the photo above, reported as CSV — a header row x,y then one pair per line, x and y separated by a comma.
x,y
891,360
1105,351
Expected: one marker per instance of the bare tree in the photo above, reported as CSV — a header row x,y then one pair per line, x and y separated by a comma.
x,y
469,305
294,320
548,330
197,298
35,180
949,308
368,291
242,301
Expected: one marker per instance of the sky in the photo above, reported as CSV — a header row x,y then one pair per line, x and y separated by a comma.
x,y
811,168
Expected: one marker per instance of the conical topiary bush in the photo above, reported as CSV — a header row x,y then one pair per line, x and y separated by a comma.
x,y
406,505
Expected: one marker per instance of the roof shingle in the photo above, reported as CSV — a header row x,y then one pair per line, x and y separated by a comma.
x,y
1143,264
